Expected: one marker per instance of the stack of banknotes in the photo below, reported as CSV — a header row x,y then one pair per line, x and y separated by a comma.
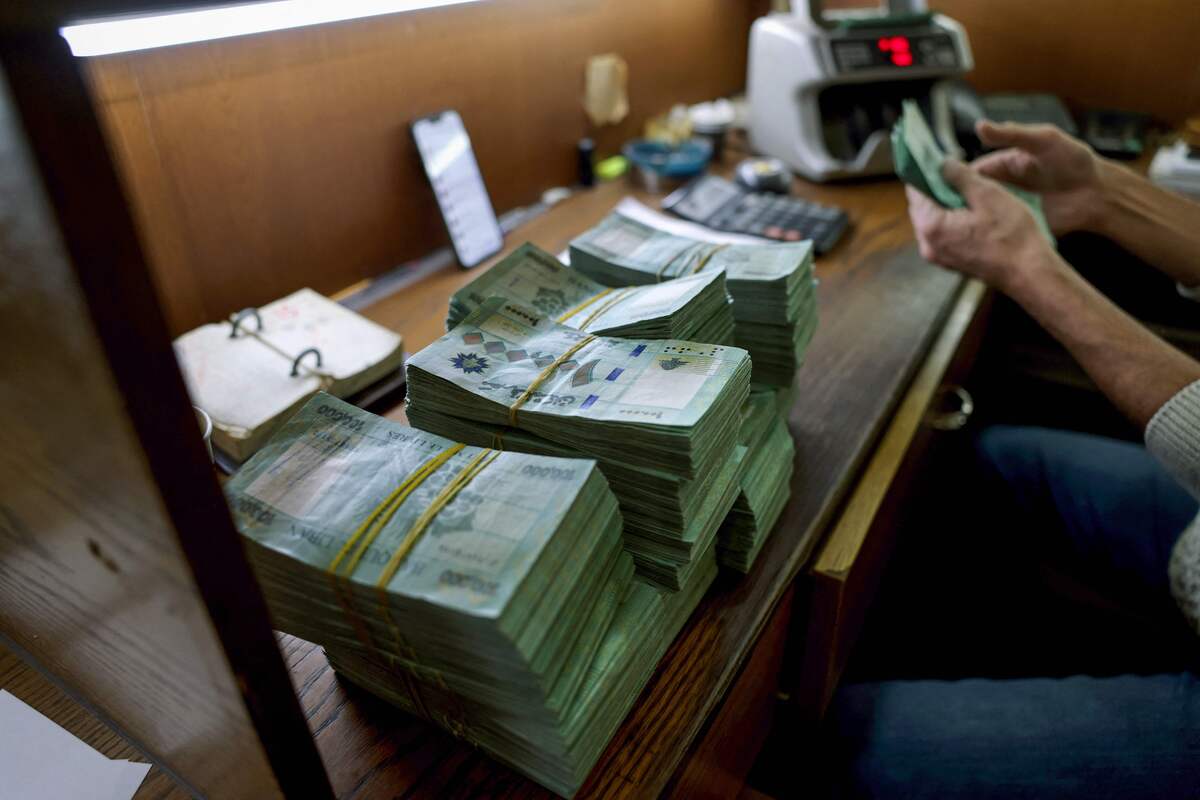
x,y
694,308
774,295
661,416
766,479
560,750
488,591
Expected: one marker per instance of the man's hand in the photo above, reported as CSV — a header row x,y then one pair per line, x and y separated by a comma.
x,y
995,239
1042,158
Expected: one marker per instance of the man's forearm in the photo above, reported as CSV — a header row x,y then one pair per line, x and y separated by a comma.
x,y
1160,227
1135,369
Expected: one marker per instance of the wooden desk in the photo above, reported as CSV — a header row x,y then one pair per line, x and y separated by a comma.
x,y
879,316
697,726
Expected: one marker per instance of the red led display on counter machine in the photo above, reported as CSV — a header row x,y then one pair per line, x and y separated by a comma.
x,y
897,47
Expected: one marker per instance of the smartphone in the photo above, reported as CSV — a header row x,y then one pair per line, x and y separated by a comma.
x,y
457,183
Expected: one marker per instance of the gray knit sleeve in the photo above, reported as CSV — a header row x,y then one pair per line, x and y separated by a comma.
x,y
1173,437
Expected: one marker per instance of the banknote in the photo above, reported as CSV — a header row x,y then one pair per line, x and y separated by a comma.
x,y
307,492
628,245
919,160
509,354
533,278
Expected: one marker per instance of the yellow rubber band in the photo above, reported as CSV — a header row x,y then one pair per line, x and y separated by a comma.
x,y
687,248
704,261
388,509
546,373
473,468
566,315
361,632
624,293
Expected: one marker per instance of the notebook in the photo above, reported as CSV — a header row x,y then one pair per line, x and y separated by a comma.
x,y
253,371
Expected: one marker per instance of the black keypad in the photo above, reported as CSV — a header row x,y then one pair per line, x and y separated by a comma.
x,y
725,206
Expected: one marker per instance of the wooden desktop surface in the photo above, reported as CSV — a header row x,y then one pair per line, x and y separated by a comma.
x,y
881,307
879,313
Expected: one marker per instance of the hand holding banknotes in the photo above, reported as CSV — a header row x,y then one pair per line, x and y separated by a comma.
x,y
996,238
1041,158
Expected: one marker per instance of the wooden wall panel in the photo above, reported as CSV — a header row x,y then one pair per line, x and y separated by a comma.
x,y
265,163
94,586
1140,55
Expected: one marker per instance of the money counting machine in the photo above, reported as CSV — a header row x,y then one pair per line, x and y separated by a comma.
x,y
825,86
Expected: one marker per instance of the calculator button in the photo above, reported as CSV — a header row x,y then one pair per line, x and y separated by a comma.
x,y
792,235
774,231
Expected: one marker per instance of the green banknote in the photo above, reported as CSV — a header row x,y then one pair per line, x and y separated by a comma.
x,y
656,403
766,481
690,307
505,571
772,285
512,619
661,417
561,755
919,159
620,249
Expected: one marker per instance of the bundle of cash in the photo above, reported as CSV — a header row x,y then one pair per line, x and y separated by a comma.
x,y
766,481
919,158
662,418
670,522
493,580
774,295
559,756
694,308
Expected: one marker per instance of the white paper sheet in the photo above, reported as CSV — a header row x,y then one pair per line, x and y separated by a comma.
x,y
635,210
39,760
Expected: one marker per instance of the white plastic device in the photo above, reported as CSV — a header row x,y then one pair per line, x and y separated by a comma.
x,y
810,72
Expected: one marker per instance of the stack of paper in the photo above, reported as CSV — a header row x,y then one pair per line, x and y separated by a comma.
x,y
662,417
774,296
486,590
695,308
766,481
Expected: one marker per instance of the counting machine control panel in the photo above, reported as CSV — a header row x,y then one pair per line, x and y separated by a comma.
x,y
883,51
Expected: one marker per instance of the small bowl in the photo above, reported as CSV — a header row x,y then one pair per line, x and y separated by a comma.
x,y
659,165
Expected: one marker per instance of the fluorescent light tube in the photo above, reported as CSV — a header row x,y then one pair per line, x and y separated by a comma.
x,y
121,35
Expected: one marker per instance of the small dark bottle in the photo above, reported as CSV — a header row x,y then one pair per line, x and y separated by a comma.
x,y
586,153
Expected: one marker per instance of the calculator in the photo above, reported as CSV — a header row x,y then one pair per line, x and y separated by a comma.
x,y
723,205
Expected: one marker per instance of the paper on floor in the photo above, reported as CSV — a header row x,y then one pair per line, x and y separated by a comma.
x,y
39,759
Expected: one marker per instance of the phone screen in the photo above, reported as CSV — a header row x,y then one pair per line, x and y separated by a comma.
x,y
458,185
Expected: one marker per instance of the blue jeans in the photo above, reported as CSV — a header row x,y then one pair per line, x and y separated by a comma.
x,y
1103,507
